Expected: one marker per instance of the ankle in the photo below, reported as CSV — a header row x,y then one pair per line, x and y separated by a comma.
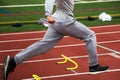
x,y
12,60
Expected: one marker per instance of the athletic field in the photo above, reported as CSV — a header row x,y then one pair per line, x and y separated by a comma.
x,y
46,67
29,12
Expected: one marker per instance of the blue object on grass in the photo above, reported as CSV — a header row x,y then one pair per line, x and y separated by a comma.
x,y
4,11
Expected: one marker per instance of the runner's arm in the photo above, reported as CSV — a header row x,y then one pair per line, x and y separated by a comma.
x,y
49,7
49,4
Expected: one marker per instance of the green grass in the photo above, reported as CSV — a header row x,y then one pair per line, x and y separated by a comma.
x,y
36,27
21,2
91,9
25,27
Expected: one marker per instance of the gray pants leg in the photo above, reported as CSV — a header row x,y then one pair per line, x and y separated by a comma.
x,y
49,40
80,31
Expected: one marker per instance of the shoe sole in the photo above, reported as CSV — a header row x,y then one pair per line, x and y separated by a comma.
x,y
5,66
98,72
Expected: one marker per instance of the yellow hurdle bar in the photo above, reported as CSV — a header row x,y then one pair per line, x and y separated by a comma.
x,y
68,59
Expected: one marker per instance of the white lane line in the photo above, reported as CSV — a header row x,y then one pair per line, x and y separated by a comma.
x,y
32,39
112,41
115,55
12,50
54,59
19,33
77,74
106,26
37,5
19,40
112,32
61,46
106,48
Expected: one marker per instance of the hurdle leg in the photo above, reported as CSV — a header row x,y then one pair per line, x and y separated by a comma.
x,y
36,77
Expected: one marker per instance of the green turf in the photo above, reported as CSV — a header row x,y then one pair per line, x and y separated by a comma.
x,y
81,10
36,27
25,27
20,2
84,10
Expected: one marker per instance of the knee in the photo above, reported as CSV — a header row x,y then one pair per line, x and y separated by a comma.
x,y
90,36
93,33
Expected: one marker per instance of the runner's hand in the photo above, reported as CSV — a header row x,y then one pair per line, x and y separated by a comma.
x,y
50,19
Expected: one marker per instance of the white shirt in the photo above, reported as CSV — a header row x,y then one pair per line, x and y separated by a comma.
x,y
64,5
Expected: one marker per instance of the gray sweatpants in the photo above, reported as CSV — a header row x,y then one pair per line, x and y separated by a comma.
x,y
55,33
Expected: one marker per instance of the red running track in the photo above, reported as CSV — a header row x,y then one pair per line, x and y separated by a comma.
x,y
45,65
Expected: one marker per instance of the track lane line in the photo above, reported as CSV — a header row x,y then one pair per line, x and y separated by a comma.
x,y
114,53
77,74
61,46
32,39
117,25
109,49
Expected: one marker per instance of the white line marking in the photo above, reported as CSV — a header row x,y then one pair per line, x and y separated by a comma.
x,y
104,42
32,5
26,5
101,33
53,59
19,40
117,25
14,50
19,33
111,50
77,74
114,55
112,32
